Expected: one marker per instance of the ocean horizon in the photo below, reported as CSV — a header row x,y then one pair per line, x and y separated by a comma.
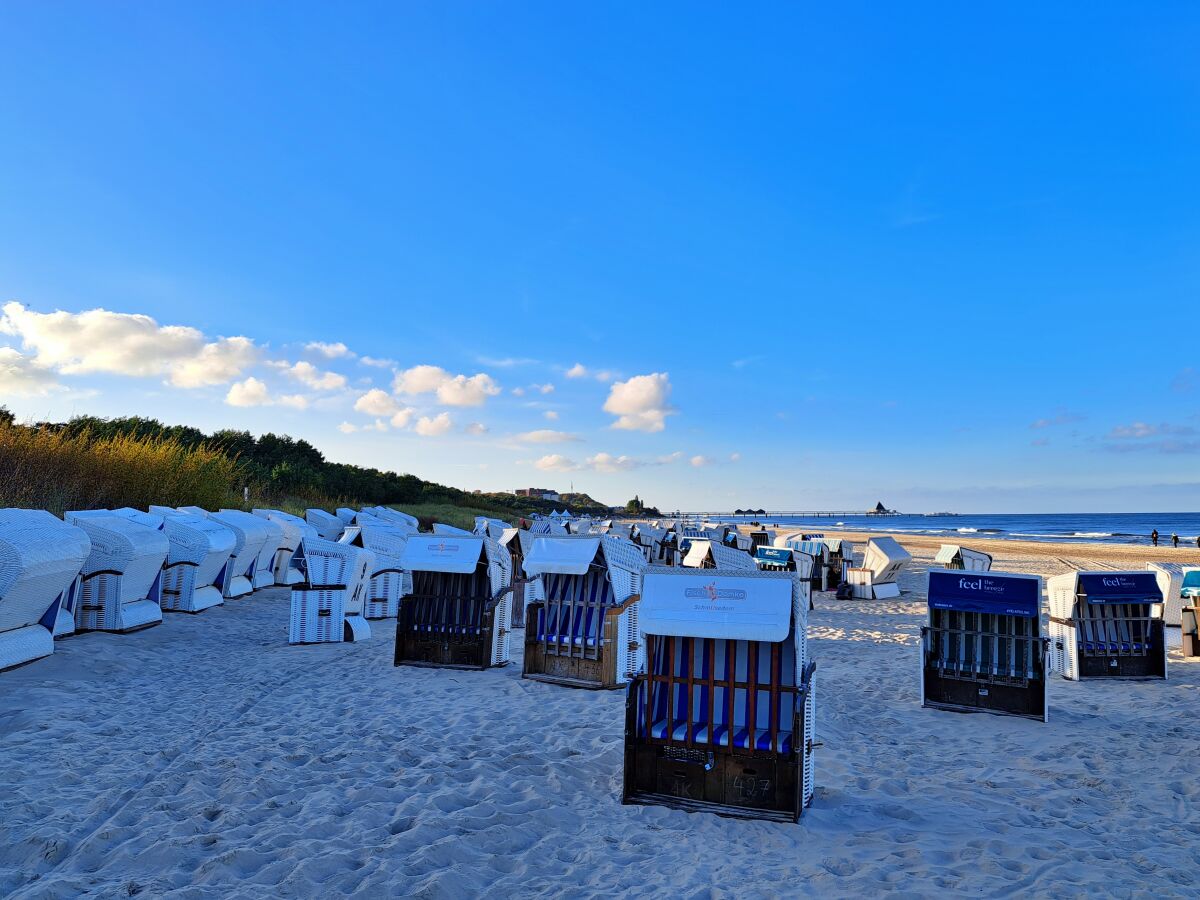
x,y
1115,528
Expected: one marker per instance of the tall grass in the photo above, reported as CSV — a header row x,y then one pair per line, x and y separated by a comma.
x,y
42,468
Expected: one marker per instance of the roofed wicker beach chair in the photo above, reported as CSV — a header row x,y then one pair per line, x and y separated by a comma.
x,y
121,580
1170,581
1107,625
952,556
876,578
329,527
253,533
327,606
493,528
710,554
264,566
387,579
722,720
819,578
395,517
40,560
286,565
458,613
982,649
581,625
227,582
793,559
199,550
439,528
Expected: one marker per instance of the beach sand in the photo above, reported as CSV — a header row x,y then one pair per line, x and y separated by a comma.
x,y
206,757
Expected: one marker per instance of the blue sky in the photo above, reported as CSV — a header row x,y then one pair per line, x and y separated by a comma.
x,y
942,255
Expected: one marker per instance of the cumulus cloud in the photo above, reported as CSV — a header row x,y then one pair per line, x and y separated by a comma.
x,y
700,461
250,392
556,462
402,417
307,373
518,392
347,428
641,403
20,377
435,426
452,390
670,458
329,351
551,415
1062,417
100,341
543,388
376,402
547,436
735,457
476,428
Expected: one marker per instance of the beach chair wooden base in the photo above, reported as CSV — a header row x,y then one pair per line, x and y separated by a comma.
x,y
1190,632
966,695
443,648
574,663
715,781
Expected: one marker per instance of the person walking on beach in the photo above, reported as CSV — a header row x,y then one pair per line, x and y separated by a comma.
x,y
1175,539
1154,537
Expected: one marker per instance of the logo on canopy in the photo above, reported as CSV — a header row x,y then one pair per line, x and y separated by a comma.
x,y
712,593
443,547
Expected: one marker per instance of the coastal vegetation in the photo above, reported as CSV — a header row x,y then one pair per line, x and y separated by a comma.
x,y
90,462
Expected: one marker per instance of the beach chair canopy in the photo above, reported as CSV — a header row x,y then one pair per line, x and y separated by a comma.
x,y
193,539
40,557
439,528
295,529
329,527
885,558
753,606
124,548
1119,587
994,593
722,556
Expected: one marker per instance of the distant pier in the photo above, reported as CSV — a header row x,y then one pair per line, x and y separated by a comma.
x,y
779,514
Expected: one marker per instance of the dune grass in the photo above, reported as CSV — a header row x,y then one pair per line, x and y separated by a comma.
x,y
46,469
448,514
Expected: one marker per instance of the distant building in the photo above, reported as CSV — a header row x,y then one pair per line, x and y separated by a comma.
x,y
540,493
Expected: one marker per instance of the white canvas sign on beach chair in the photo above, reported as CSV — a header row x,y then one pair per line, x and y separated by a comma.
x,y
40,560
121,580
722,718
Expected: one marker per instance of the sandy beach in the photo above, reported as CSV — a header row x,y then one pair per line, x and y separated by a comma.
x,y
206,758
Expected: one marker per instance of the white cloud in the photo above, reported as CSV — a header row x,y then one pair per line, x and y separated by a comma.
x,y
543,388
735,457
476,428
432,427
577,371
307,373
376,362
556,462
402,417
640,404
376,402
20,377
329,351
670,458
604,375
452,390
551,415
347,428
100,341
700,461
547,436
518,392
606,462
295,401
250,392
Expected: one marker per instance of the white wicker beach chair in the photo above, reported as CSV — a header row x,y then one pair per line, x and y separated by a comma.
x,y
286,566
722,720
1107,625
710,554
121,580
439,528
1170,582
327,606
40,560
199,550
457,615
982,649
346,515
388,581
876,578
329,527
581,627
953,556
395,517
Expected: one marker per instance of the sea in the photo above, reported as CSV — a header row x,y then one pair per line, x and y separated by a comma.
x,y
1112,528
